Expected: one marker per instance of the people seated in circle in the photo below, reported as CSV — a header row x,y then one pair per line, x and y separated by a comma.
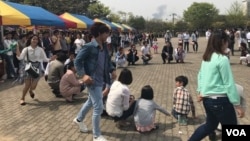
x,y
132,55
146,53
119,104
179,54
167,52
69,84
120,58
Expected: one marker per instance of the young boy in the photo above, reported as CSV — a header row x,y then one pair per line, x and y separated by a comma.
x,y
182,101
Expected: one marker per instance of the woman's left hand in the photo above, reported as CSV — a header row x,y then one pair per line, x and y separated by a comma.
x,y
113,75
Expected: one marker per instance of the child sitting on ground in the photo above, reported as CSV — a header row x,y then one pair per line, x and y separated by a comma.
x,y
182,101
145,110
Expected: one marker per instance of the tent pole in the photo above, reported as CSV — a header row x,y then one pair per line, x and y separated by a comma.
x,y
2,33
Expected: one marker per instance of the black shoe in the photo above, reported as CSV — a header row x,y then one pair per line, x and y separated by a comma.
x,y
104,113
164,63
59,96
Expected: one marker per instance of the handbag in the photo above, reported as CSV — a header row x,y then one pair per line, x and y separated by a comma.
x,y
31,69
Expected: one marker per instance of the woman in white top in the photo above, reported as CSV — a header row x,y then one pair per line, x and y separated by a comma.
x,y
79,42
119,105
36,55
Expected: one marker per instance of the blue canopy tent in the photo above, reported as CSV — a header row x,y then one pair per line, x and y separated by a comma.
x,y
89,22
110,25
18,14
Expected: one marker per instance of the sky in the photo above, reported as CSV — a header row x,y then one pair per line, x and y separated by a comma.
x,y
161,9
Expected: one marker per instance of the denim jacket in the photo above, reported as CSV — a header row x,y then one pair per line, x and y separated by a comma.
x,y
86,61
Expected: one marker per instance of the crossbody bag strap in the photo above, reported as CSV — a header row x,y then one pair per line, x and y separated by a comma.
x,y
28,55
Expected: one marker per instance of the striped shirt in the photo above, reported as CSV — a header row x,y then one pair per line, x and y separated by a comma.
x,y
182,101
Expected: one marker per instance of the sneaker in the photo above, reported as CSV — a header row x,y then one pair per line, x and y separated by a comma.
x,y
82,126
100,138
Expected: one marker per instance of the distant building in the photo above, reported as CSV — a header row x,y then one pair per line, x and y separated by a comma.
x,y
246,7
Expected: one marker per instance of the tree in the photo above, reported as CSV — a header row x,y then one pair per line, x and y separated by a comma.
x,y
138,22
181,26
235,17
114,17
60,6
200,15
98,10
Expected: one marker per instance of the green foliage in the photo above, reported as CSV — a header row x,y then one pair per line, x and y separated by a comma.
x,y
60,6
114,17
98,10
138,22
181,26
235,17
219,25
200,15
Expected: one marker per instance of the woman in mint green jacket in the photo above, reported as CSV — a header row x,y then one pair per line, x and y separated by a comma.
x,y
217,88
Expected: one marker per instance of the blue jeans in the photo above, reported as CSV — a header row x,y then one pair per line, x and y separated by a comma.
x,y
94,100
217,110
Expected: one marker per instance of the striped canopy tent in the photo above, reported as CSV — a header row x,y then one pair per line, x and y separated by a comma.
x,y
128,27
68,23
122,28
109,24
18,14
81,21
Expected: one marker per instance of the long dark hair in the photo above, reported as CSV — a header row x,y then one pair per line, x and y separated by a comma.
x,y
215,43
28,43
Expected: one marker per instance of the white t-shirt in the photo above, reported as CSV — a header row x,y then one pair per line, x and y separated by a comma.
x,y
248,36
79,43
145,50
208,34
118,99
108,40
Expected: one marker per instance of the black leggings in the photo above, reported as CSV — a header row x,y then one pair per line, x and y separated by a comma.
x,y
126,113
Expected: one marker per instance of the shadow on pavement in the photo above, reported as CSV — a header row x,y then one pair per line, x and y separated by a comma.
x,y
55,104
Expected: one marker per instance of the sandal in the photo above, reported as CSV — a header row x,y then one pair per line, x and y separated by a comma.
x,y
32,95
22,102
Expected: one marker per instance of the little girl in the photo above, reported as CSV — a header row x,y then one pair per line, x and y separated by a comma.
x,y
155,45
145,110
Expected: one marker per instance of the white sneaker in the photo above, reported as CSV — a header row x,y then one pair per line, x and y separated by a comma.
x,y
82,126
100,138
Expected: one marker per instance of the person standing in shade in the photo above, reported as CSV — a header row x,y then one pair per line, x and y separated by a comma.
x,y
93,64
216,87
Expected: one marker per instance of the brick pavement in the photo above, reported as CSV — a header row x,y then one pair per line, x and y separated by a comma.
x,y
47,118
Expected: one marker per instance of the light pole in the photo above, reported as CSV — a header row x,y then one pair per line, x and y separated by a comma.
x,y
173,15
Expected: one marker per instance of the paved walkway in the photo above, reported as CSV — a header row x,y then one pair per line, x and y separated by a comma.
x,y
47,118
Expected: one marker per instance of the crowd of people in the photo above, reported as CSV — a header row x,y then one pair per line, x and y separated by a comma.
x,y
70,65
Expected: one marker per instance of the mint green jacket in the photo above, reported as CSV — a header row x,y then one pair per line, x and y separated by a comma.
x,y
215,77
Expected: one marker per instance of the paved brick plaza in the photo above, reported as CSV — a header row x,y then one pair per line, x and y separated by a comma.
x,y
47,118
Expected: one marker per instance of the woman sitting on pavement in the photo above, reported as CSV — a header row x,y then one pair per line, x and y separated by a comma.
x,y
119,104
69,85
